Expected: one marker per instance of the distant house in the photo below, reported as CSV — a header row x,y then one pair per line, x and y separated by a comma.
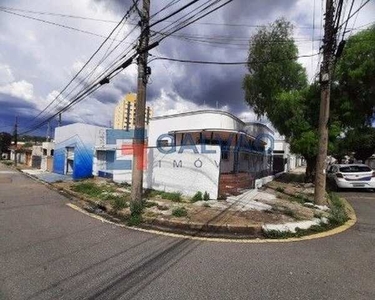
x,y
23,154
42,156
283,159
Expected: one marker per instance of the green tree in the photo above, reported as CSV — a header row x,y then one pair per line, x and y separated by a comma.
x,y
5,141
273,66
355,79
276,86
359,140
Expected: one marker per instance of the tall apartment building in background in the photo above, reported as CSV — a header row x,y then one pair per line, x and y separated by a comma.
x,y
124,117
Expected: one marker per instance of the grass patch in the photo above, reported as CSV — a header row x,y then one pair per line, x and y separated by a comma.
x,y
119,203
88,188
134,220
280,189
174,196
277,234
290,213
179,212
338,215
149,204
7,163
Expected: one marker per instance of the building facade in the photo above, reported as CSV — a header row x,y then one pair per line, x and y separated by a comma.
x,y
208,150
124,115
283,159
74,149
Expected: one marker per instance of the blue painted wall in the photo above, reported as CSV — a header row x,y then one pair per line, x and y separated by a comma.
x,y
59,161
82,138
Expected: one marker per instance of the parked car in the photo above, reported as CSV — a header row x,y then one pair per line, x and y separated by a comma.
x,y
344,176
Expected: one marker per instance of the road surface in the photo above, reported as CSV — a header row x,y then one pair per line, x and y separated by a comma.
x,y
50,251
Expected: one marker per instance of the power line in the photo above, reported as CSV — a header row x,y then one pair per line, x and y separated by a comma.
x,y
89,60
117,69
192,20
354,13
228,63
53,23
114,21
57,14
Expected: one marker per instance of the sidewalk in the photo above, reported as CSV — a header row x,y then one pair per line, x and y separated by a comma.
x,y
47,176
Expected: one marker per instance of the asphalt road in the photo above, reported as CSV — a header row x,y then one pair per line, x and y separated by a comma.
x,y
50,251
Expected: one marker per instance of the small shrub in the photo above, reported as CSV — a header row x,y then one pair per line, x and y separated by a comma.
x,y
179,212
134,220
338,214
197,197
206,196
136,208
280,189
8,163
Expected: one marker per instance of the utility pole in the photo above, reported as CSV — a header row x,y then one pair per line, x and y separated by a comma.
x,y
59,122
15,141
139,131
48,131
329,44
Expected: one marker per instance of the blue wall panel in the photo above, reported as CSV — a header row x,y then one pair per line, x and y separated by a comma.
x,y
83,160
59,161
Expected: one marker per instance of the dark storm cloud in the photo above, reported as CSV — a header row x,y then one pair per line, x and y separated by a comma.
x,y
204,83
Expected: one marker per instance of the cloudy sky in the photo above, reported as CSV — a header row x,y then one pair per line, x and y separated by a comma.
x,y
37,59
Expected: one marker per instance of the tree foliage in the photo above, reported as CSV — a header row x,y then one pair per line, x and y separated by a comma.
x,y
276,86
5,141
273,66
355,84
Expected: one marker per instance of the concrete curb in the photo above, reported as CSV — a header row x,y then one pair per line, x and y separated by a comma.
x,y
195,231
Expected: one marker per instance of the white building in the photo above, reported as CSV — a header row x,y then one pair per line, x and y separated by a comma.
x,y
207,150
283,159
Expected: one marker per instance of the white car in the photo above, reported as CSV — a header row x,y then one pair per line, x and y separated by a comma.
x,y
351,176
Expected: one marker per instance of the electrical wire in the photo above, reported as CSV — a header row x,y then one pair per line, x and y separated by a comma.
x,y
227,63
126,15
53,23
115,22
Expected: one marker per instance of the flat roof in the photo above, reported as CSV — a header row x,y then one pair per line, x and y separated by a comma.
x,y
198,112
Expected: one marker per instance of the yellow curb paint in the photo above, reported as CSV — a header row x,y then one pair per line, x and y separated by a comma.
x,y
342,228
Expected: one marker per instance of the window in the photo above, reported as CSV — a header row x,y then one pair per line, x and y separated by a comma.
x,y
355,169
164,143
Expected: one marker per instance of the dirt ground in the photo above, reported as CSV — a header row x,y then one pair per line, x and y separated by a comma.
x,y
278,203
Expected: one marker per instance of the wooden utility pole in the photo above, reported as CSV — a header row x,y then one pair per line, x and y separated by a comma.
x,y
15,141
48,131
59,121
139,130
329,44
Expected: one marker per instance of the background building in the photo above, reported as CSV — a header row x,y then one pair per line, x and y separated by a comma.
x,y
124,116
